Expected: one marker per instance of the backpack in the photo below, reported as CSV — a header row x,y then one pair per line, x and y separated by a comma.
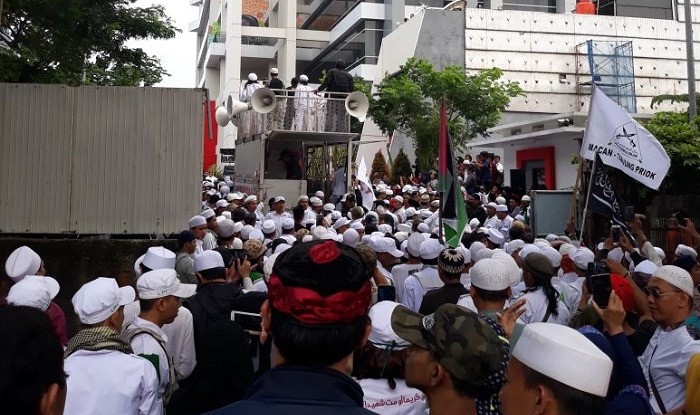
x,y
132,331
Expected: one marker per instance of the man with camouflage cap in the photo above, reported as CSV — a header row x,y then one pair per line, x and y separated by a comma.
x,y
457,359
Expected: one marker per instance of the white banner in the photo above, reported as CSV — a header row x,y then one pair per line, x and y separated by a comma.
x,y
365,187
623,143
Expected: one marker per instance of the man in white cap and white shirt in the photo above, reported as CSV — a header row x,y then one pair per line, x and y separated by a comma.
x,y
400,272
180,333
209,240
269,230
198,226
387,254
523,208
99,362
670,297
22,262
427,279
492,220
278,213
322,196
553,370
34,291
288,233
252,206
302,103
506,220
397,208
160,294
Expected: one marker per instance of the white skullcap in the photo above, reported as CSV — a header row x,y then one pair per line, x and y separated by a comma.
x,y
97,300
319,194
208,213
236,243
304,78
582,257
660,252
565,355
501,208
357,225
616,254
33,291
251,198
500,200
401,236
389,192
384,228
410,212
22,261
207,260
525,198
529,249
553,255
256,234
483,254
490,274
340,223
492,205
237,227
382,335
274,71
646,267
196,220
567,249
269,226
158,257
225,190
227,228
162,283
226,214
686,250
382,244
495,236
475,248
335,215
351,237
423,228
430,249
413,244
514,273
514,245
551,237
435,203
398,198
676,276
474,223
319,231
245,231
302,197
287,223
465,253
329,207
307,238
316,201
221,203
252,76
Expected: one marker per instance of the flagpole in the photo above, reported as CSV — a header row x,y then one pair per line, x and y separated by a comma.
x,y
574,194
588,196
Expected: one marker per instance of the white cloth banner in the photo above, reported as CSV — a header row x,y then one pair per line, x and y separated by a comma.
x,y
623,143
365,188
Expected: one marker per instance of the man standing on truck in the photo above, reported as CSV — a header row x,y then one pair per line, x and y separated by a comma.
x,y
337,80
276,117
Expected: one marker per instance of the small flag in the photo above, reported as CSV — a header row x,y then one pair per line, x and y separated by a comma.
x,y
452,209
602,198
365,188
623,143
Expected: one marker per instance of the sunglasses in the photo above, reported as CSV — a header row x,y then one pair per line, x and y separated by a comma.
x,y
656,293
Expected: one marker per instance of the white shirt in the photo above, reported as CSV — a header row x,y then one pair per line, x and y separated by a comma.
x,y
403,400
492,222
570,294
180,333
278,218
506,223
433,220
309,214
536,309
145,344
385,272
291,239
672,351
209,241
418,284
399,274
467,302
401,214
109,382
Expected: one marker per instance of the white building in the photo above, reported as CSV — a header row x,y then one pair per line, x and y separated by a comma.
x,y
548,54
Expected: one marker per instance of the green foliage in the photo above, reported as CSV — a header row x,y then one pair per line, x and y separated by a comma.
x,y
215,171
672,99
80,42
379,166
401,167
411,100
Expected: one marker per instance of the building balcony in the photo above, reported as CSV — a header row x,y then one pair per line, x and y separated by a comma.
x,y
211,51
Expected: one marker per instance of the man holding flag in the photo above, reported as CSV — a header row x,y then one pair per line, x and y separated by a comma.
x,y
453,213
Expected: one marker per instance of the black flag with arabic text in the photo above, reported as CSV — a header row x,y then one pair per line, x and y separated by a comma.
x,y
602,198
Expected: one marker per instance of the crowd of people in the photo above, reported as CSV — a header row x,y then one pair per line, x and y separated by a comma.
x,y
312,307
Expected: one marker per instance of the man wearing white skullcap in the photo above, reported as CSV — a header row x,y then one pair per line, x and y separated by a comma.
x,y
198,226
427,279
303,104
250,122
669,294
506,220
22,262
278,214
555,370
99,362
686,250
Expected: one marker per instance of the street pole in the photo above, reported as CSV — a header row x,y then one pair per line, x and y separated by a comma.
x,y
690,56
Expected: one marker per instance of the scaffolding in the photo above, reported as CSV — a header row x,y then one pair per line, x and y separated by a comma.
x,y
610,66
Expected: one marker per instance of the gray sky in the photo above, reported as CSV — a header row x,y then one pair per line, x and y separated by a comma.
x,y
177,55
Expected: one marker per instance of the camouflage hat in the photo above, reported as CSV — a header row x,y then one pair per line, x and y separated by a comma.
x,y
458,338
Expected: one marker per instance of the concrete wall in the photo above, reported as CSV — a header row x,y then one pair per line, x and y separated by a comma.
x,y
75,262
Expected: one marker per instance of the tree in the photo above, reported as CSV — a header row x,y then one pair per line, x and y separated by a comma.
x,y
379,167
401,167
672,99
80,42
411,100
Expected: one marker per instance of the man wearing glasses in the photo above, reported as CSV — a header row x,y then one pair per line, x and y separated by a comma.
x,y
670,298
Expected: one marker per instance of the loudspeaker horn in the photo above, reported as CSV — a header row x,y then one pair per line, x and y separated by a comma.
x,y
222,116
263,100
224,113
357,105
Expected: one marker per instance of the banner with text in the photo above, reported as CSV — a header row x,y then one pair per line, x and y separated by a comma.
x,y
623,143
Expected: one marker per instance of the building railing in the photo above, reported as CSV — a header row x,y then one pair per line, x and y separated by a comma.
x,y
303,111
